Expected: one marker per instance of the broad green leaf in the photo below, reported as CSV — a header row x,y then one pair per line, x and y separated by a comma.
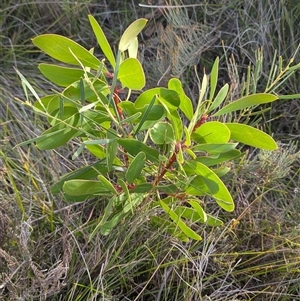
x,y
135,167
251,136
221,96
58,115
221,194
131,74
186,105
59,134
133,147
85,187
61,76
247,101
162,133
102,41
131,33
212,132
61,49
85,173
169,97
133,49
180,223
214,148
223,157
214,78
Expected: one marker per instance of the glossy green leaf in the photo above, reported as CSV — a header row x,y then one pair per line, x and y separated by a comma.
x,y
186,105
212,132
135,167
251,136
214,148
221,96
247,101
102,41
85,187
213,183
131,74
61,76
162,133
133,147
169,97
61,49
180,223
131,33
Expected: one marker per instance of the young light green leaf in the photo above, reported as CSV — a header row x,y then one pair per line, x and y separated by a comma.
x,y
212,132
162,133
133,49
180,223
135,168
131,74
102,41
176,122
131,33
251,136
214,78
221,96
245,102
61,76
61,49
186,105
213,183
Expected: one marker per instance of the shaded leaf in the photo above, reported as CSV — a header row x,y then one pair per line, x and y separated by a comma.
x,y
135,167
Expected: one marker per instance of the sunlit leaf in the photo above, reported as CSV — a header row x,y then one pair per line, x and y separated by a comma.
x,y
212,132
247,101
102,41
251,136
61,49
131,33
131,74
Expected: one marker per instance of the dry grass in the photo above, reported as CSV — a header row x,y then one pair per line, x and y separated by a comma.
x,y
44,248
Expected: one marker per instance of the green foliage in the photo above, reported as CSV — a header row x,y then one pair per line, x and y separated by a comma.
x,y
158,149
